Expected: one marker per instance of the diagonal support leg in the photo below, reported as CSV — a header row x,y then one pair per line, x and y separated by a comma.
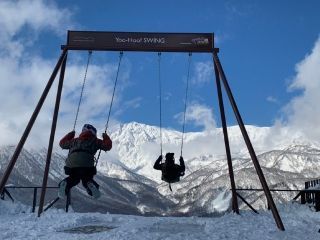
x,y
248,143
51,140
30,123
235,206
51,204
248,204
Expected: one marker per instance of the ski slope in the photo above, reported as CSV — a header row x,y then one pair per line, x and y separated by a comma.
x,y
17,223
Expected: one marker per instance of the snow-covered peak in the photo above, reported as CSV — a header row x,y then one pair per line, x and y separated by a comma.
x,y
137,145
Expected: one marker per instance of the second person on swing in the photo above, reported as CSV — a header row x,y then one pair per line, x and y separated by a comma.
x,y
171,172
80,163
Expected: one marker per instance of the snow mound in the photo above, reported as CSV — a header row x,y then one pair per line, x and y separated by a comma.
x,y
300,223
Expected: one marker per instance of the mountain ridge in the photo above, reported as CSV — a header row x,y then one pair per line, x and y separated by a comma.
x,y
130,185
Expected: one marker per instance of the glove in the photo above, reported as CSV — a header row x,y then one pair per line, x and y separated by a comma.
x,y
105,136
181,161
159,158
72,133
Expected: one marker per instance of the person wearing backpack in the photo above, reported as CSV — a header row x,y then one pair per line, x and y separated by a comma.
x,y
171,172
80,163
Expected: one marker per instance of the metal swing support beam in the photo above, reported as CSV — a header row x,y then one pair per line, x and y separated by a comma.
x,y
220,73
143,42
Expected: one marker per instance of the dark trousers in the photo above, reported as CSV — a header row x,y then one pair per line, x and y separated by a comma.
x,y
85,174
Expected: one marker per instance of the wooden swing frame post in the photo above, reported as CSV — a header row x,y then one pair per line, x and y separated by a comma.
x,y
52,134
246,138
143,42
235,206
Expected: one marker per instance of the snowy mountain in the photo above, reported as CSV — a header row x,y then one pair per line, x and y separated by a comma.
x,y
130,185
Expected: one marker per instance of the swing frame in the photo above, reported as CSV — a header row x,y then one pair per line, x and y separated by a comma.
x,y
143,42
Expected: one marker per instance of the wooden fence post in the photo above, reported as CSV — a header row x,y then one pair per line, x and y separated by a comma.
x,y
317,201
303,197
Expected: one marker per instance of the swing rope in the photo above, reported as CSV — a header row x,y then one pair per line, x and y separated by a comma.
x,y
113,93
160,104
185,103
82,89
160,99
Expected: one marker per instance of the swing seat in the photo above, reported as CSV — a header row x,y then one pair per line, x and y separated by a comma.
x,y
169,178
80,170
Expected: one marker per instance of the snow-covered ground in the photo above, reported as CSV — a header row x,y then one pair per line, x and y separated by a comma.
x,y
17,223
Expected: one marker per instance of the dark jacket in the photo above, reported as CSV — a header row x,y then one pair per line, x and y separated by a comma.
x,y
83,148
171,172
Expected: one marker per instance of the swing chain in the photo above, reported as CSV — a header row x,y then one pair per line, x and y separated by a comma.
x,y
113,93
185,102
82,89
160,99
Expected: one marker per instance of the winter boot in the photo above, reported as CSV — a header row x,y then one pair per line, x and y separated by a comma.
x,y
62,189
93,190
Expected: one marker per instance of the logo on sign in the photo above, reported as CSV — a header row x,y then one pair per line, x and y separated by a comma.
x,y
141,40
200,41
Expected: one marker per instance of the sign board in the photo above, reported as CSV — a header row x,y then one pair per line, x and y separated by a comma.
x,y
140,41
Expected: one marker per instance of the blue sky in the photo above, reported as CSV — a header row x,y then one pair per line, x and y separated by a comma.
x,y
261,43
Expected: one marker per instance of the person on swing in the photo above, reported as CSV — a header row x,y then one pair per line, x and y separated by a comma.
x,y
171,172
80,163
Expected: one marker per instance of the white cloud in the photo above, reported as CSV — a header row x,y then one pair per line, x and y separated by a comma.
x,y
166,96
130,104
299,123
24,75
203,72
303,111
39,14
272,99
199,115
97,92
22,84
36,15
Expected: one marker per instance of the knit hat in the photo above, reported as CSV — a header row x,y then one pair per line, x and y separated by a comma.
x,y
169,158
89,127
